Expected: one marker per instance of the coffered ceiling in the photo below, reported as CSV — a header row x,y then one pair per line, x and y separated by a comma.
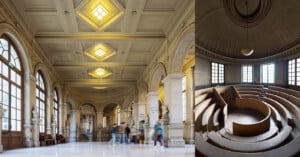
x,y
135,36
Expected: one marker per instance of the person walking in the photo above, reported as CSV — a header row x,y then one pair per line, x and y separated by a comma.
x,y
127,131
158,133
113,134
122,132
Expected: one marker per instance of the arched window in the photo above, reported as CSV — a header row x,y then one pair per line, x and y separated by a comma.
x,y
11,86
40,101
55,109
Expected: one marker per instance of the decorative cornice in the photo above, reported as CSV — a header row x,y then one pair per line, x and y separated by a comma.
x,y
290,53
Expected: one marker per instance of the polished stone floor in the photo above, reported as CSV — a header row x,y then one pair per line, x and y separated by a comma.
x,y
100,149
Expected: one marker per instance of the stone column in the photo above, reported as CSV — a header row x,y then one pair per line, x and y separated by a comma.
x,y
189,122
1,115
173,100
75,125
35,128
141,113
53,131
63,119
99,125
49,115
29,104
152,98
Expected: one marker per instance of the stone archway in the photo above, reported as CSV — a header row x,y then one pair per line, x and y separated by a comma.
x,y
12,33
87,122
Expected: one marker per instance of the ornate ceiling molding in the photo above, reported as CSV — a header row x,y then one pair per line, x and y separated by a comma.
x,y
207,54
257,11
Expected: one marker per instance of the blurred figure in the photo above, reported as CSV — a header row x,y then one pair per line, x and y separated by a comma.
x,y
113,134
122,132
158,133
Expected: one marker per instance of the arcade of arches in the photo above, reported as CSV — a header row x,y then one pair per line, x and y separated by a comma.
x,y
48,84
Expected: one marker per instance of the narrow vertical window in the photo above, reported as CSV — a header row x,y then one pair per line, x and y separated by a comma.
x,y
292,72
55,109
268,73
217,73
247,73
40,100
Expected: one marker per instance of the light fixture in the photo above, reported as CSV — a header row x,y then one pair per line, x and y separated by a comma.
x,y
100,52
100,12
100,73
246,51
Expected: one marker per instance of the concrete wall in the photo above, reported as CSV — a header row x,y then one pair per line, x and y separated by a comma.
x,y
202,72
232,74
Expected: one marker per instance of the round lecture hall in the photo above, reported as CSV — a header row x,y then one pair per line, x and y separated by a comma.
x,y
247,78
70,69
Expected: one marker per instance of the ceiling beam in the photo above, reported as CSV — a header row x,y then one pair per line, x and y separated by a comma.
x,y
99,36
96,64
99,82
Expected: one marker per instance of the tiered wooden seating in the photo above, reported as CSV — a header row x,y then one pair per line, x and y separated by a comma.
x,y
217,139
281,109
46,139
261,137
289,105
277,134
249,91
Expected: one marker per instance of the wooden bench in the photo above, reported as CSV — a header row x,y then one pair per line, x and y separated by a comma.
x,y
60,138
261,137
216,122
217,139
289,105
204,148
207,119
46,139
281,109
287,96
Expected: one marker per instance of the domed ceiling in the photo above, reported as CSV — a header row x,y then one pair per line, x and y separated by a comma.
x,y
273,26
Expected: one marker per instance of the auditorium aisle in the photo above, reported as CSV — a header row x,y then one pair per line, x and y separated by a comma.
x,y
100,149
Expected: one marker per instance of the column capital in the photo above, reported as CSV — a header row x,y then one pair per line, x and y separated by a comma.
x,y
173,76
154,93
99,113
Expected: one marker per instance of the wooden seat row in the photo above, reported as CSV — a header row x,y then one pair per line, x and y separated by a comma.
x,y
217,139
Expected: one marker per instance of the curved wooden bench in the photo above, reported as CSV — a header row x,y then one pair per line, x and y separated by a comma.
x,y
286,90
200,98
289,105
261,137
258,127
281,109
249,96
217,139
207,118
275,114
199,111
289,97
250,92
216,119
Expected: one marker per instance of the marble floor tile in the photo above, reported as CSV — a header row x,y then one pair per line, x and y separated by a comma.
x,y
100,149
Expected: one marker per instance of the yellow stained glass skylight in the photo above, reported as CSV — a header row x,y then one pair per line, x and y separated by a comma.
x,y
100,73
100,12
